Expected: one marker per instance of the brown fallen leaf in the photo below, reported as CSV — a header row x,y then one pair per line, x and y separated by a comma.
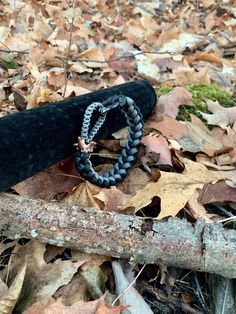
x,y
84,195
169,127
147,68
226,159
187,75
56,77
226,137
113,199
210,163
158,144
204,56
196,209
169,104
218,192
174,189
42,280
136,180
60,178
105,308
80,307
223,117
72,90
93,53
197,140
230,178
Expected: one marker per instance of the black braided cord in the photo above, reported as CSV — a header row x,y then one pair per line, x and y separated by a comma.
x,y
128,154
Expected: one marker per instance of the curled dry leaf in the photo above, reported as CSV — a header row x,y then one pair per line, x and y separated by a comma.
x,y
181,42
4,246
210,163
93,54
158,144
174,189
196,209
8,301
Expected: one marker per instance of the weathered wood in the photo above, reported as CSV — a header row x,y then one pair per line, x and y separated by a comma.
x,y
201,247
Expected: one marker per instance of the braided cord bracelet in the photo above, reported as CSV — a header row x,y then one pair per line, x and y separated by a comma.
x,y
85,144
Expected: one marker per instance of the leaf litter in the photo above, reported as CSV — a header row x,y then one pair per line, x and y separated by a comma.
x,y
188,165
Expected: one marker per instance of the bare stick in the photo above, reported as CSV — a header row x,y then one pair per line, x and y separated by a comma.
x,y
176,242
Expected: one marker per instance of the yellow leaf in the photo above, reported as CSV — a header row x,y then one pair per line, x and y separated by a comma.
x,y
174,189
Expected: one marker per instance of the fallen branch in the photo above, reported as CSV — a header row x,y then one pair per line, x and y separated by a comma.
x,y
203,247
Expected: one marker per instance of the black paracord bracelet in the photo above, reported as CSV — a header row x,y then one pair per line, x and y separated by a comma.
x,y
85,144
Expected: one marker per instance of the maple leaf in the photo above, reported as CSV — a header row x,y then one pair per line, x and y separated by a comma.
x,y
84,195
174,189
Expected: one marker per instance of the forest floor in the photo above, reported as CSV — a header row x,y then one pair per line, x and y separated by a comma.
x,y
54,49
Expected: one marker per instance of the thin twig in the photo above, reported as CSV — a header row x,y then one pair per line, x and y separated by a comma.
x,y
69,46
199,294
24,52
233,218
225,295
8,50
131,55
130,285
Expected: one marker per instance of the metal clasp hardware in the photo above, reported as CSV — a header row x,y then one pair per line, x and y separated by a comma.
x,y
83,147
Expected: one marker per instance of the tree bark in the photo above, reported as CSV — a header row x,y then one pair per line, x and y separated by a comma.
x,y
176,242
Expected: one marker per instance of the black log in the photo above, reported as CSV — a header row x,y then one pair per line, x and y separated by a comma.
x,y
35,139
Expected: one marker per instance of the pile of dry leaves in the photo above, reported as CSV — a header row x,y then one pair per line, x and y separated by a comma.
x,y
54,49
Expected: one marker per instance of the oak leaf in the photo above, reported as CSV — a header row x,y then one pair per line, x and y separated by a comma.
x,y
174,189
223,117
